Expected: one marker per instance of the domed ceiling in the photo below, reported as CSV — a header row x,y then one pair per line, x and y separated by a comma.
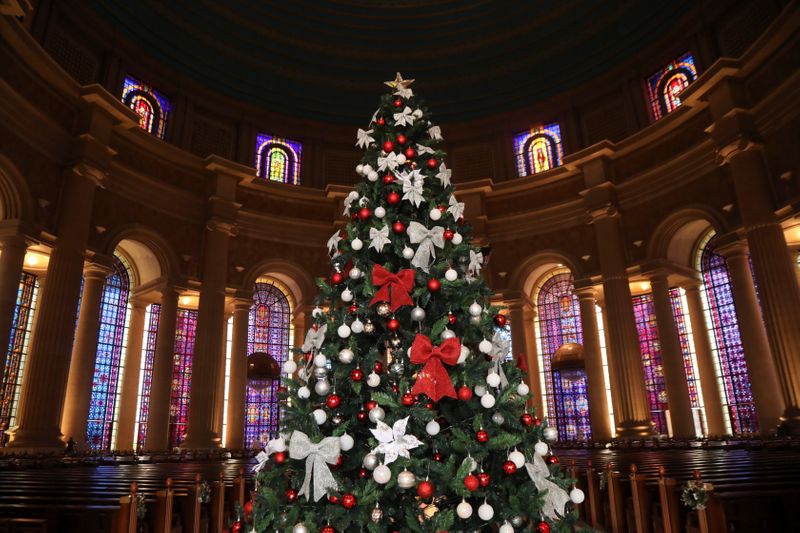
x,y
326,59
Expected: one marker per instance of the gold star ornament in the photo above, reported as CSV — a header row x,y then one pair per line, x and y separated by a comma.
x,y
399,82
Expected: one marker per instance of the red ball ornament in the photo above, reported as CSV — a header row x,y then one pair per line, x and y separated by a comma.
x,y
451,319
397,102
356,374
388,146
291,495
364,213
353,309
448,234
333,498
526,419
543,527
425,489
484,479
434,285
327,529
398,227
377,367
393,198
388,179
369,405
537,422
363,473
500,320
471,482
337,278
432,163
509,468
553,460
354,216
281,389
401,139
280,457
381,121
429,405
361,415
410,153
464,393
408,399
348,501
236,527
248,509
437,456
393,324
482,436
333,401
395,388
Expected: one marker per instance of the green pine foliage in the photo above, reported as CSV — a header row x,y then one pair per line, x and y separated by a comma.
x,y
511,496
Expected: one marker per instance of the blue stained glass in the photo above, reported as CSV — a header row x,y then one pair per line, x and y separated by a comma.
x,y
185,330
538,149
572,404
650,348
151,106
665,86
278,159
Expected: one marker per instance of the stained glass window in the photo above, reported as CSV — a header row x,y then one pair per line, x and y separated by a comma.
x,y
17,352
650,348
538,149
558,323
151,106
185,329
572,403
227,391
278,159
665,86
726,342
601,333
269,332
111,343
684,327
152,314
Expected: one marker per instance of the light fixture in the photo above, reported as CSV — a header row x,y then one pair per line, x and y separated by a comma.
x,y
185,300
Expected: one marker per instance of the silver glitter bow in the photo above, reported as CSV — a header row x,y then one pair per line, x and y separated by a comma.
x,y
456,208
348,201
316,456
499,353
404,118
556,498
427,239
314,339
389,161
378,238
475,265
444,175
364,138
412,186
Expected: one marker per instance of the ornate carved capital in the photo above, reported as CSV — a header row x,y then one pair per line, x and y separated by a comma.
x,y
225,226
607,211
90,172
740,144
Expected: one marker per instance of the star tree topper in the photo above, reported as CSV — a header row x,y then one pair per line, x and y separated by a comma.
x,y
401,86
393,441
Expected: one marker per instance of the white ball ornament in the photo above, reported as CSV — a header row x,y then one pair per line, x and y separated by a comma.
x,y
493,379
485,346
488,401
347,295
464,510
462,357
356,244
541,448
475,320
376,414
379,212
373,380
517,457
316,312
406,479
475,309
485,512
523,389
300,528
432,428
370,461
372,176
355,273
550,433
577,495
346,355
473,464
343,331
346,442
382,474
435,214
289,367
480,390
320,416
304,393
366,169
320,360
357,326
359,169
451,274
506,528
408,253
448,334
322,387
401,159
418,314
457,239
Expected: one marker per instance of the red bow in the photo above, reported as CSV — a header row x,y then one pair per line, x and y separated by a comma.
x,y
433,379
394,288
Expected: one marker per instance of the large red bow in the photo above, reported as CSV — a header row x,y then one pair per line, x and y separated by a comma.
x,y
433,379
394,288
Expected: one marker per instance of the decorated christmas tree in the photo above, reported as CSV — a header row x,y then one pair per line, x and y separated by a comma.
x,y
401,411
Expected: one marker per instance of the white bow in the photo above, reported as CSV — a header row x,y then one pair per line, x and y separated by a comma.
x,y
456,208
425,150
412,186
378,238
375,115
333,243
427,238
314,338
435,133
389,161
262,458
316,456
556,497
475,265
499,353
444,175
393,441
404,118
403,91
364,138
352,197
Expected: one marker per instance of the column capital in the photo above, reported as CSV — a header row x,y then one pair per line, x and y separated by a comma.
x,y
242,304
658,275
738,145
734,249
228,227
97,269
87,170
14,240
138,303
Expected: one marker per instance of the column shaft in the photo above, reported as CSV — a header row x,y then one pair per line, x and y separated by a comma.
x,y
219,407
523,339
598,403
129,389
238,379
161,384
11,262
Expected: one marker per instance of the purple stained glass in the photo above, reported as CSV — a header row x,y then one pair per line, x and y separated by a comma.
x,y
538,149
268,331
278,159
686,348
665,86
650,348
185,329
725,336
572,404
151,106
17,348
150,336
108,360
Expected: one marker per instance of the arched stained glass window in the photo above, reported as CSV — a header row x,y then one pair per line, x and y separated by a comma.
x,y
17,352
269,331
650,348
151,106
185,329
665,86
725,337
278,159
538,149
152,314
111,342
558,323
572,403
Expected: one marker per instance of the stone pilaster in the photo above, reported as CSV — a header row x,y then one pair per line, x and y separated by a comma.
x,y
238,376
523,339
161,384
129,389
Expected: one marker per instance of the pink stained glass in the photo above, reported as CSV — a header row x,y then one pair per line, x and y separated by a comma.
x,y
151,333
151,106
538,149
665,86
185,330
650,348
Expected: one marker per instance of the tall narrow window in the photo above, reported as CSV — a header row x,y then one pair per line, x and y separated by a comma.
x,y
111,343
650,348
538,149
665,86
227,391
269,332
278,159
601,333
684,326
572,403
17,352
185,329
151,106
726,342
152,315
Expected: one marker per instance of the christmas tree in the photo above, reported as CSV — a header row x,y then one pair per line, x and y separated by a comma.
x,y
401,411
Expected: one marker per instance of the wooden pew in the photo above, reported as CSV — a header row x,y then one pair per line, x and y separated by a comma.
x,y
640,497
616,501
216,510
126,520
712,518
594,502
23,525
161,521
669,502
192,508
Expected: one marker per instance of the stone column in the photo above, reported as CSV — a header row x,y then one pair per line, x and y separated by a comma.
x,y
219,408
84,355
302,323
161,384
45,381
129,389
11,262
593,360
760,365
712,400
523,339
238,378
680,406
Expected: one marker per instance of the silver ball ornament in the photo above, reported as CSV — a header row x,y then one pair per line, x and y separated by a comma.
x,y
337,419
433,428
320,372
377,414
464,509
457,239
485,346
346,356
486,512
343,331
322,387
373,380
380,212
346,442
517,521
356,244
320,416
506,528
382,474
370,461
369,327
418,314
347,296
475,320
396,368
408,253
372,176
300,528
377,514
357,326
383,309
435,214
541,448
304,393
488,401
523,389
577,496
406,479
475,309
550,433
451,274
448,334
320,360
498,419
289,367
493,379
355,273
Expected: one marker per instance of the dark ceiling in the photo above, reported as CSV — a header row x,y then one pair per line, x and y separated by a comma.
x,y
326,59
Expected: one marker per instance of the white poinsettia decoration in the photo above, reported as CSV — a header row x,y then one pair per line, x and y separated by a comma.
x,y
404,117
365,138
393,441
333,243
456,208
348,201
378,238
388,161
435,133
412,186
444,175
